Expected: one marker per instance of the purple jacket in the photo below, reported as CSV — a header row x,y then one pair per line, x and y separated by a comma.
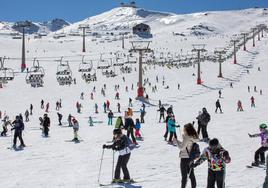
x,y
264,138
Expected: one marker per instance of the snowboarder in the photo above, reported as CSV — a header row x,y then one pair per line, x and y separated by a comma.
x,y
218,106
189,137
31,109
46,125
26,115
259,154
110,117
162,113
252,99
239,106
204,119
121,144
18,125
172,128
42,104
75,128
59,118
217,158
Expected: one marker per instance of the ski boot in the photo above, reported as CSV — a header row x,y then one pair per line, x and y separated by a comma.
x,y
255,163
117,181
128,181
262,163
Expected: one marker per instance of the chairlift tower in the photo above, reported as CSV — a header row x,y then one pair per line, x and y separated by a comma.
x,y
22,25
141,47
253,36
199,48
244,43
220,53
84,27
235,41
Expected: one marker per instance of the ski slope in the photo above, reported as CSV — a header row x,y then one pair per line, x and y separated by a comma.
x,y
53,162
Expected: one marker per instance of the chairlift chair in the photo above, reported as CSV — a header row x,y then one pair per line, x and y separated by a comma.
x,y
35,75
6,74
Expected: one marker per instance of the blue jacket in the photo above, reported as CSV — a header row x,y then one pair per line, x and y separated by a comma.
x,y
138,126
171,125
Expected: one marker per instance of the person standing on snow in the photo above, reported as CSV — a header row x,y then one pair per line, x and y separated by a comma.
x,y
121,145
218,106
26,115
42,104
162,113
204,119
110,117
189,137
252,99
137,129
259,154
46,125
31,109
104,107
142,115
59,118
172,129
47,107
75,128
119,123
18,126
239,106
217,158
129,126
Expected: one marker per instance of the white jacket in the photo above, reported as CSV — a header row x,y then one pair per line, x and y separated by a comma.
x,y
187,142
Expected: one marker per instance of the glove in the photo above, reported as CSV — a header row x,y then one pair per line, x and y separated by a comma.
x,y
193,165
250,135
104,146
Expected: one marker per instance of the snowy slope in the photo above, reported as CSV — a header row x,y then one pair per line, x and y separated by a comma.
x,y
52,162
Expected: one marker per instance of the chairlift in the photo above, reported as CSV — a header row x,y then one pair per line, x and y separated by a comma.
x,y
85,66
35,75
64,73
110,71
6,74
89,76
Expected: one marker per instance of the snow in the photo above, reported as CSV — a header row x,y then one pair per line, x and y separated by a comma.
x,y
52,162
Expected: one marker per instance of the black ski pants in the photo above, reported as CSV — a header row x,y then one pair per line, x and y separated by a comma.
x,y
131,132
122,164
166,133
161,116
4,132
46,129
185,170
217,109
171,136
259,154
204,131
215,177
18,133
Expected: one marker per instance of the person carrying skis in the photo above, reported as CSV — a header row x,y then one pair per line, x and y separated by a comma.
x,y
204,119
172,129
259,154
252,99
239,106
120,144
26,115
217,158
59,118
46,125
162,113
189,137
75,128
18,126
218,106
110,117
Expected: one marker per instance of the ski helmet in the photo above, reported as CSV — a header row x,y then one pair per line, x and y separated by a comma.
x,y
263,126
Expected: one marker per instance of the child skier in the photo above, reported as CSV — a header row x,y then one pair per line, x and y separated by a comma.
x,y
259,154
137,129
90,121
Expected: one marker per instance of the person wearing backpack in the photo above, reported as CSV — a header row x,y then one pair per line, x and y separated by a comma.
x,y
120,144
189,138
217,158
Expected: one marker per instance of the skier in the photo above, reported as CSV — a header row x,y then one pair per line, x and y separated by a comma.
x,y
90,121
60,103
231,85
217,158
260,92
47,107
26,115
18,125
162,113
46,125
239,106
129,126
118,108
75,128
204,119
142,115
172,129
59,118
248,89
218,106
78,107
117,96
104,107
96,108
6,122
120,144
119,123
199,122
219,93
166,133
70,120
137,129
143,107
31,109
82,96
189,137
57,105
108,104
259,154
42,104
252,99
130,102
110,117
170,110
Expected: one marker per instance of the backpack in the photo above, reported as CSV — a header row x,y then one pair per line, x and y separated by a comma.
x,y
130,144
195,152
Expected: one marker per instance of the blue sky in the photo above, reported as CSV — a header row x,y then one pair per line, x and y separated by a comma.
x,y
76,10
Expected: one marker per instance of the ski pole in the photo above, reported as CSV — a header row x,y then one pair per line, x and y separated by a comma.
x,y
100,165
113,167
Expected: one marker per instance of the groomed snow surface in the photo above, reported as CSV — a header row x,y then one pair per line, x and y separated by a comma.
x,y
52,162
